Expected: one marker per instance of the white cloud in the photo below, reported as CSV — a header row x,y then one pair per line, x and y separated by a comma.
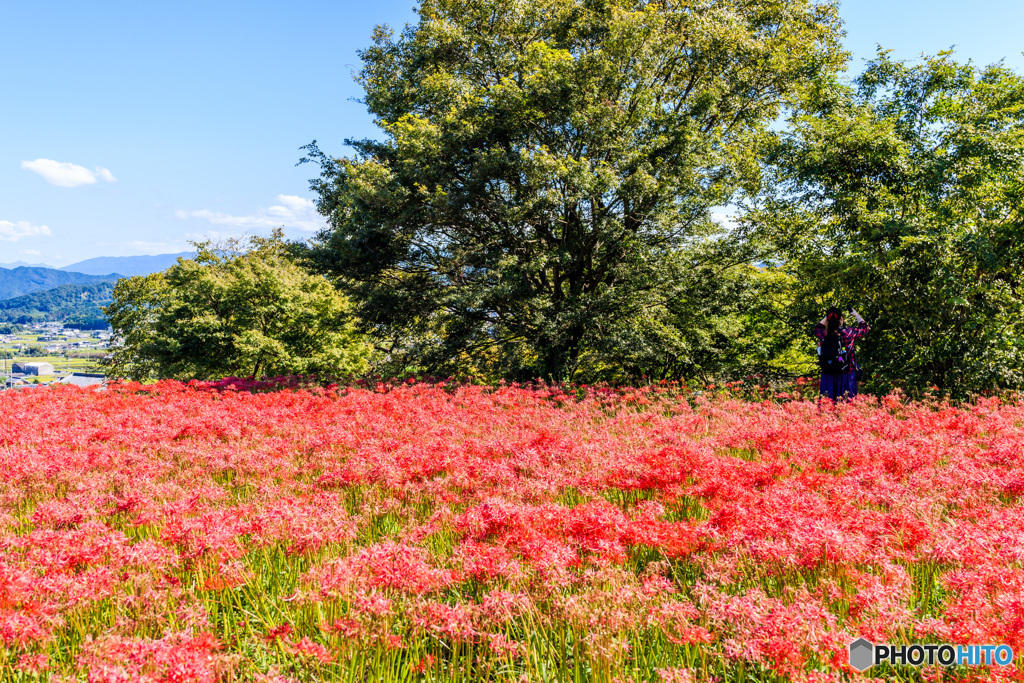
x,y
66,174
105,174
290,212
12,232
30,252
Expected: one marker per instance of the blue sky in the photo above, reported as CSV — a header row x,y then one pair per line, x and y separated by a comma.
x,y
132,127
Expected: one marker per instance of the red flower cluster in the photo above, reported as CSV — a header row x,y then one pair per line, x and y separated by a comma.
x,y
249,528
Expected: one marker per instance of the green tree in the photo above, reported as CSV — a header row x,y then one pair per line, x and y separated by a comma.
x,y
547,168
234,310
904,195
729,323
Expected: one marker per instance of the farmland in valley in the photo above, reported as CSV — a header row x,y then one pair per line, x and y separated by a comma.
x,y
207,532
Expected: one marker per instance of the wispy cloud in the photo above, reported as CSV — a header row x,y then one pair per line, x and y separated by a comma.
x,y
289,212
30,252
66,174
146,248
12,232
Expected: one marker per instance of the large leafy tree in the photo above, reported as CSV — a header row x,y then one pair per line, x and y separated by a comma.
x,y
904,194
729,325
234,310
547,167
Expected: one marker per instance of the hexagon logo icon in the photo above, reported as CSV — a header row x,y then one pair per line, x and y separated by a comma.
x,y
862,654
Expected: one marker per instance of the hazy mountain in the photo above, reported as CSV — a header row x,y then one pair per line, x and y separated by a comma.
x,y
23,280
74,305
126,265
22,264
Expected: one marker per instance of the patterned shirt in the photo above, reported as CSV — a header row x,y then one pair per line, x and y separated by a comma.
x,y
847,335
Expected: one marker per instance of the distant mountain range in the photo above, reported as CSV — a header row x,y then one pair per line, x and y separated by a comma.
x,y
23,280
23,264
74,305
72,294
127,266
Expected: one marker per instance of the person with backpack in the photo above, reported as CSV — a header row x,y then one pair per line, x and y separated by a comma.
x,y
836,355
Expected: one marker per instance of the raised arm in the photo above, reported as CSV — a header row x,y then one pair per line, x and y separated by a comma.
x,y
819,330
862,327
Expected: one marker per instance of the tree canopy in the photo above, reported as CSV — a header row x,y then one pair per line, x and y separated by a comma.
x,y
904,194
234,310
547,171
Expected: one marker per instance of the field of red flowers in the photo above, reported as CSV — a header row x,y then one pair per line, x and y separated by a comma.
x,y
424,532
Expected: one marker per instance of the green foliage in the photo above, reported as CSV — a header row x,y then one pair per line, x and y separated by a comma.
x,y
234,310
729,325
33,351
85,353
904,197
547,171
76,306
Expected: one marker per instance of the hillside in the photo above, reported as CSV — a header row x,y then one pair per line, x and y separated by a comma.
x,y
126,265
20,281
74,305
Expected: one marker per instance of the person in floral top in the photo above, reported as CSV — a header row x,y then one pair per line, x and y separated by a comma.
x,y
845,384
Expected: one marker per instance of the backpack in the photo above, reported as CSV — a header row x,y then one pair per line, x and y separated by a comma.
x,y
834,359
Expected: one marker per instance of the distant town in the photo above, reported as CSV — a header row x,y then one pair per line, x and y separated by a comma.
x,y
52,326
43,354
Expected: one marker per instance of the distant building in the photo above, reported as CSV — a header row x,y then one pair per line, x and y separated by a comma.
x,y
83,379
32,368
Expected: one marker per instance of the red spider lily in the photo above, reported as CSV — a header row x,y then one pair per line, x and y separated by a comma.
x,y
33,664
425,663
308,648
178,657
424,518
676,675
279,632
387,566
